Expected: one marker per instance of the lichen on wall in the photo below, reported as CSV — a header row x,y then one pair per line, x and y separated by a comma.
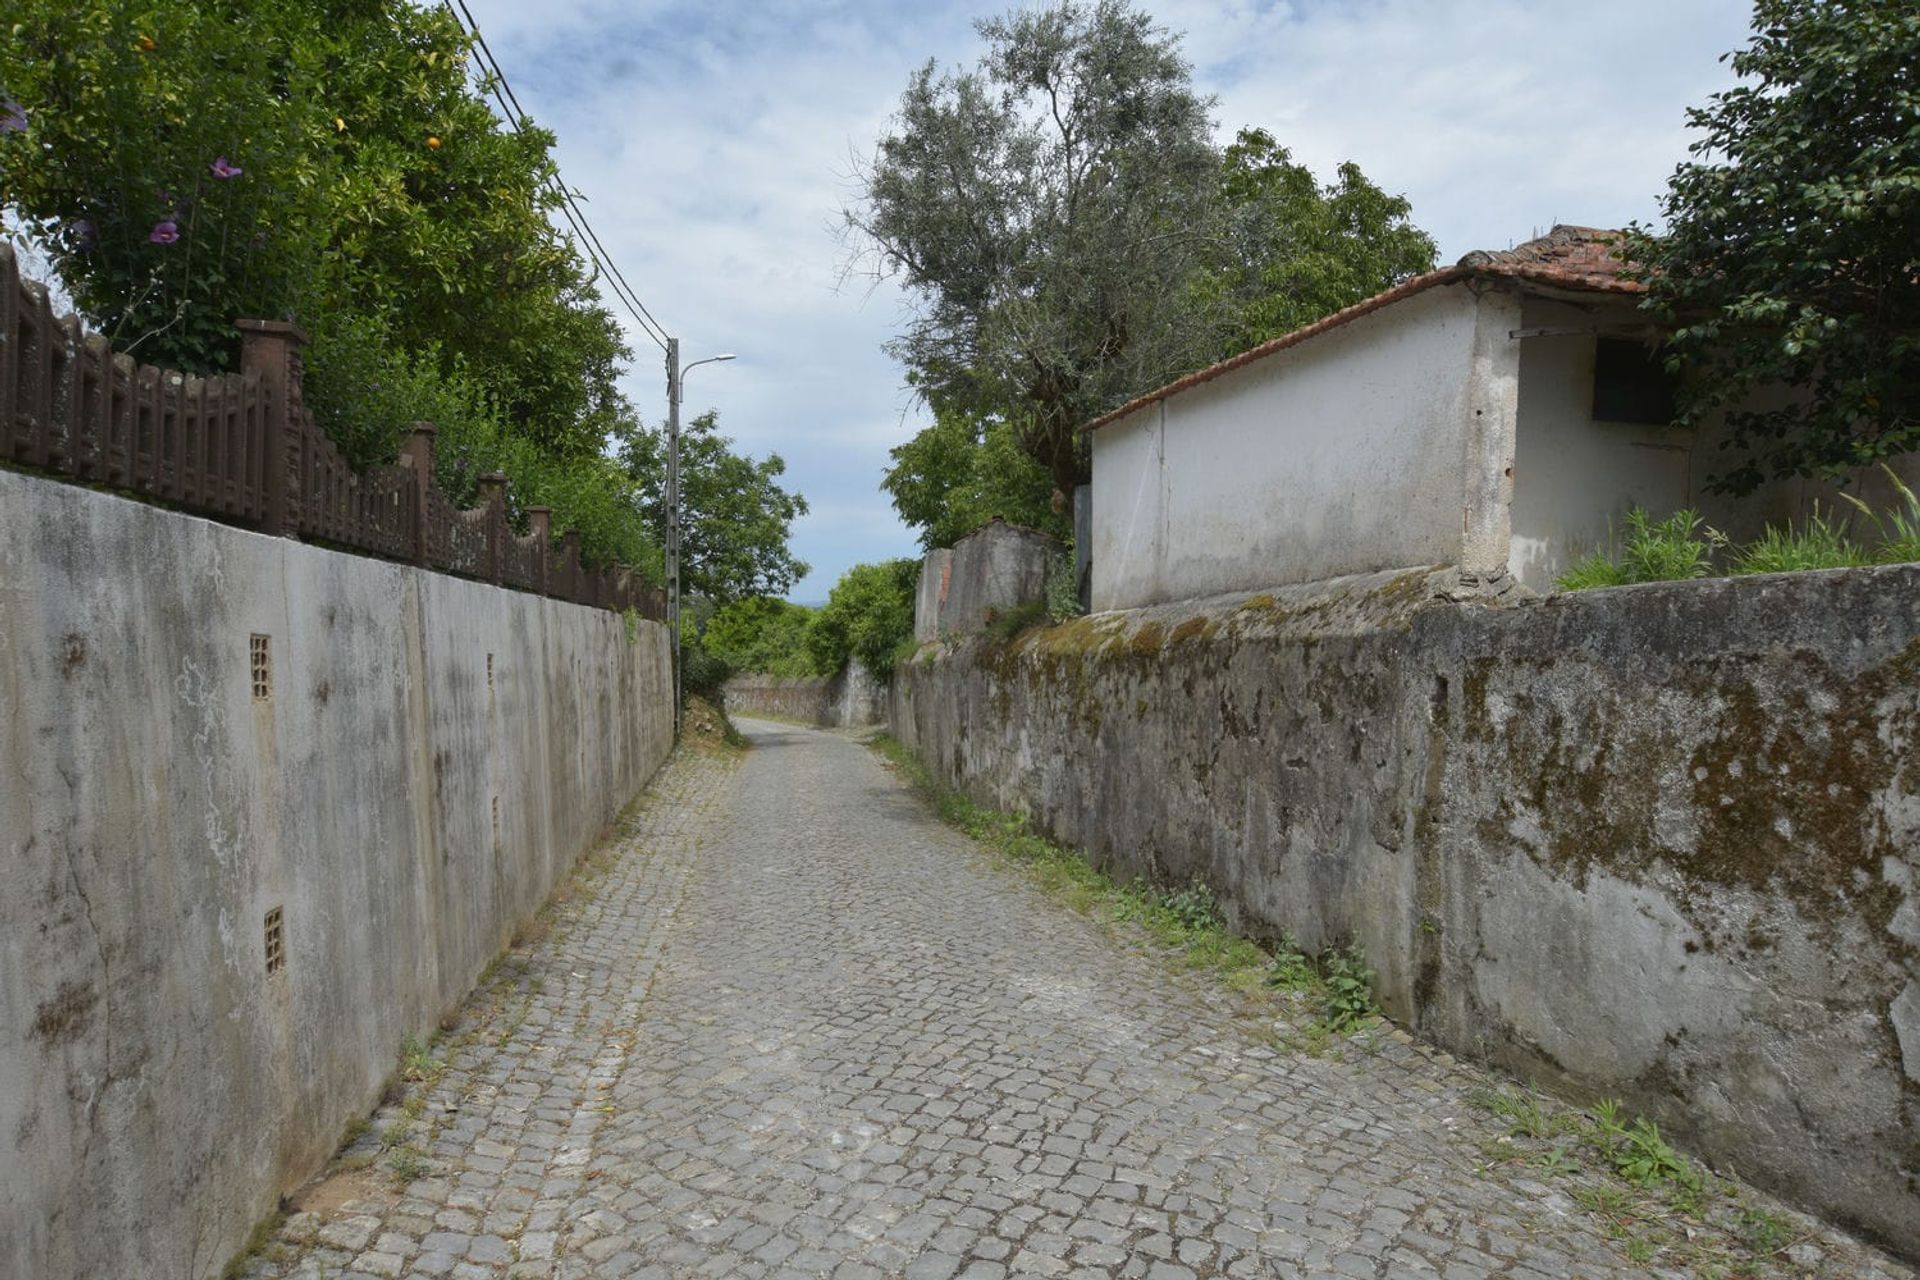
x,y
1656,842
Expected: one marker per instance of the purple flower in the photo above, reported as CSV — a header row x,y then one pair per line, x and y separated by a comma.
x,y
164,232
221,169
13,117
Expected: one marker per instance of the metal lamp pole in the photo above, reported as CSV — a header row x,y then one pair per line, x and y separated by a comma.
x,y
676,377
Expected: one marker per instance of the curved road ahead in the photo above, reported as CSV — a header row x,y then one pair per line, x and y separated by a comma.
x,y
800,1028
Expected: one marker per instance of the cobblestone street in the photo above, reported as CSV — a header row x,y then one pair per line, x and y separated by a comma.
x,y
796,1027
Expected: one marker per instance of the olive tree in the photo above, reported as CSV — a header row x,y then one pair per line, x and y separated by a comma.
x,y
1048,209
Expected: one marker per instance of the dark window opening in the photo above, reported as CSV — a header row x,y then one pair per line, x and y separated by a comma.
x,y
1630,384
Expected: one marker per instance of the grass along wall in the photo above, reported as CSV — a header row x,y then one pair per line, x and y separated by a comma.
x,y
1655,842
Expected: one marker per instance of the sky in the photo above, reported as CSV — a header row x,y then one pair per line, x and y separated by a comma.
x,y
715,141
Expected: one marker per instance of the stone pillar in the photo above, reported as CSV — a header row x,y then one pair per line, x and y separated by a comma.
x,y
268,347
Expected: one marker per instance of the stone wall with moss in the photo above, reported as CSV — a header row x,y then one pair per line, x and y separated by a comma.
x,y
1656,843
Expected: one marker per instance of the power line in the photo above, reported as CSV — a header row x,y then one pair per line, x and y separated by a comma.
x,y
570,209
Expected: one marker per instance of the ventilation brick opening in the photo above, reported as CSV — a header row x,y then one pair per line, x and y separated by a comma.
x,y
276,941
496,823
261,657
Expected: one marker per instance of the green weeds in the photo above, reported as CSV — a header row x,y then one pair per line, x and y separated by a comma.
x,y
1185,924
407,1164
1820,543
1653,1202
1349,998
1681,547
1002,627
1899,527
1671,550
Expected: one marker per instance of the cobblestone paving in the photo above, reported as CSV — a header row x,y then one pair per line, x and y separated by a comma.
x,y
801,1029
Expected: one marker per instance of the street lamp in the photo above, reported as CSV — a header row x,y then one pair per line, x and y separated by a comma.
x,y
676,377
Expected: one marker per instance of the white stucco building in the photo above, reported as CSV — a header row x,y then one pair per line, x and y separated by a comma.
x,y
1500,415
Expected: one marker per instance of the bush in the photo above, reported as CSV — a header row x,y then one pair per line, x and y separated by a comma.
x,y
1818,544
868,615
366,392
764,635
1672,550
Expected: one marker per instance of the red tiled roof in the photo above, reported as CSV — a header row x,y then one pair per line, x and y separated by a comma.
x,y
1567,257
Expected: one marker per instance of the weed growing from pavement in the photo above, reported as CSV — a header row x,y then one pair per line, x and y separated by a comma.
x,y
1326,1002
1656,1204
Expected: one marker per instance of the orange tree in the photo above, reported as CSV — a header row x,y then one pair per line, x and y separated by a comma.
x,y
190,162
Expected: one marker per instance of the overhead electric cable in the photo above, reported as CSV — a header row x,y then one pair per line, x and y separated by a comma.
x,y
576,216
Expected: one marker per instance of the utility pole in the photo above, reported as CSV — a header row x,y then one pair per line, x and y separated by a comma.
x,y
676,377
673,518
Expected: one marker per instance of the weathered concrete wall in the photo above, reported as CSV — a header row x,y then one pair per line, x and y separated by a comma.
x,y
846,701
1656,842
993,570
433,755
1382,443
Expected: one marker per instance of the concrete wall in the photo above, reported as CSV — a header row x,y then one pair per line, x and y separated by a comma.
x,y
1656,843
850,700
159,1090
993,570
1380,444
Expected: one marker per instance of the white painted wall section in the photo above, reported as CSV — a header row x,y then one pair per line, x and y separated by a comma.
x,y
1357,450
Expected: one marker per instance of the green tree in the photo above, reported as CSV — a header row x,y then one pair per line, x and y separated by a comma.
x,y
189,163
192,162
762,634
868,615
1789,259
1048,208
736,518
1300,251
963,471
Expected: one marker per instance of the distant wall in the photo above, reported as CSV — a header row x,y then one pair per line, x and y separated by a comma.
x,y
430,757
1658,842
992,571
1379,444
846,701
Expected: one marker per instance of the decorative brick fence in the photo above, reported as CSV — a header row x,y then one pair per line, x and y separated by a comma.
x,y
243,448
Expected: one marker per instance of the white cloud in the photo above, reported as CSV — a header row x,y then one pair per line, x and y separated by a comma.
x,y
713,142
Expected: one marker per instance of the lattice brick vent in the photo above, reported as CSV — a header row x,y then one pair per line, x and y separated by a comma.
x,y
276,940
262,664
496,822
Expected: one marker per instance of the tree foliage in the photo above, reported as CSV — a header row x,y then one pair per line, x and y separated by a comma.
x,y
1049,209
1792,254
189,163
1297,250
762,634
868,615
1074,237
963,471
735,515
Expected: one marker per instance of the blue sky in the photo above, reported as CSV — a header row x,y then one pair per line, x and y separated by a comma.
x,y
714,142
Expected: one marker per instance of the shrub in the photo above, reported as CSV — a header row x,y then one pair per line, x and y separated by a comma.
x,y
1818,544
1672,550
868,615
1899,529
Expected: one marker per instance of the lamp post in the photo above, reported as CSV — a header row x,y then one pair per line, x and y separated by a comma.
x,y
676,377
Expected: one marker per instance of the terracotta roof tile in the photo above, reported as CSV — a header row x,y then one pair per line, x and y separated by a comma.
x,y
1567,257
1578,257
